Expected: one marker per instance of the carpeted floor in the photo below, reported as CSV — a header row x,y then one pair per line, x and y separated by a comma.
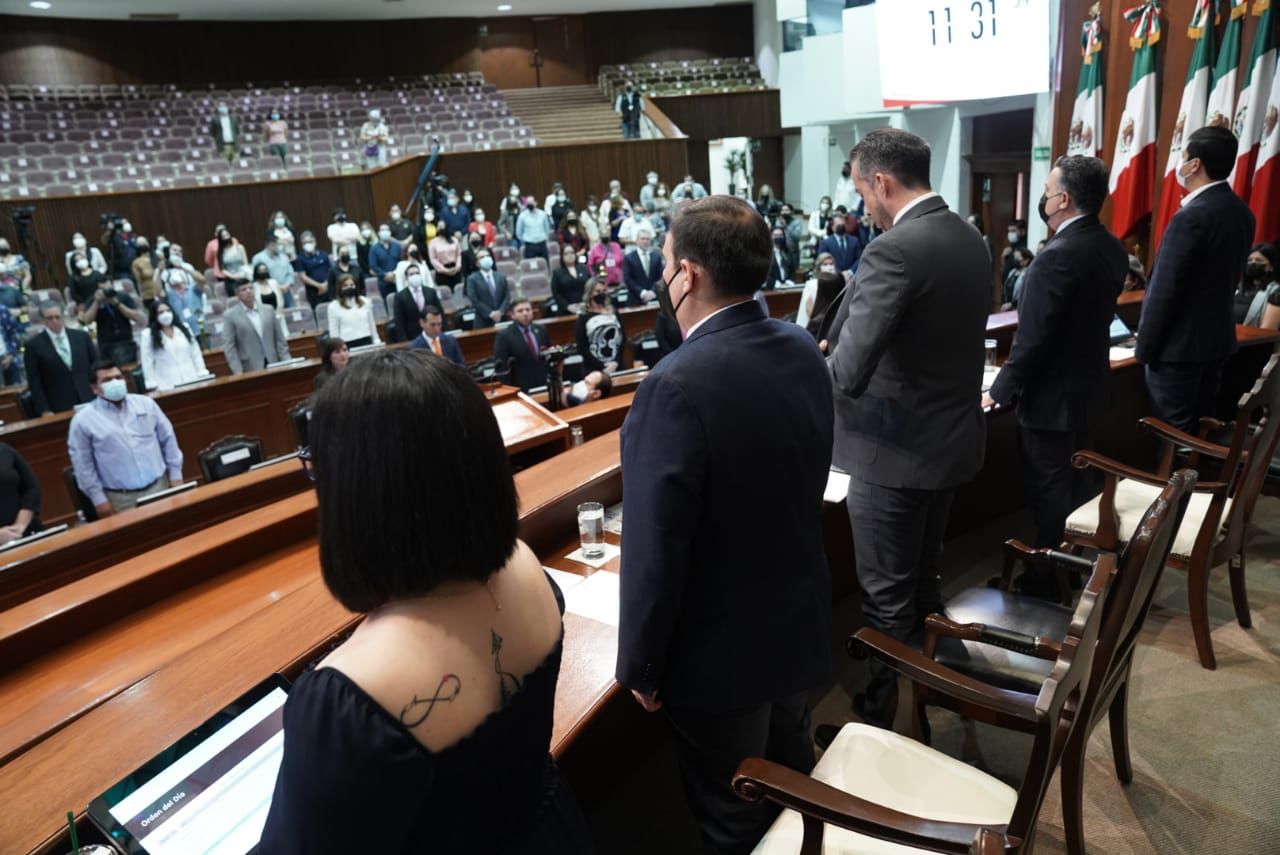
x,y
1205,744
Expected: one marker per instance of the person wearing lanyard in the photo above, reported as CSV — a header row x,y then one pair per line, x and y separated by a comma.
x,y
122,446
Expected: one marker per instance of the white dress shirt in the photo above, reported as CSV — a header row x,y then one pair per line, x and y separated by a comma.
x,y
177,361
350,324
1194,193
916,201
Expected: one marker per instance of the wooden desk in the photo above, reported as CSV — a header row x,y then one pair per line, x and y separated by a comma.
x,y
107,695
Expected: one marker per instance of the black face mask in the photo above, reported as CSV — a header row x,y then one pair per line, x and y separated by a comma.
x,y
348,293
664,298
599,299
779,241
260,275
1256,271
845,172
840,229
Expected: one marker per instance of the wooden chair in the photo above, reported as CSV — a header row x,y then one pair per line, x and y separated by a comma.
x,y
1214,530
875,785
1010,641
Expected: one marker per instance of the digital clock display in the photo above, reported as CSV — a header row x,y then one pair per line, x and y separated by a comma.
x,y
936,51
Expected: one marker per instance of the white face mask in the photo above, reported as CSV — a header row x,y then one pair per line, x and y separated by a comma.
x,y
308,247
175,256
279,222
480,218
579,390
824,207
415,281
165,319
384,234
82,265
827,268
1013,235
1182,179
114,390
79,243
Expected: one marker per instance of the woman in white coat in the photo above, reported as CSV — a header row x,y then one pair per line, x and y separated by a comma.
x,y
170,353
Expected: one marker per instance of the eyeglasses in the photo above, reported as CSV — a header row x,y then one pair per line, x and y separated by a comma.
x,y
305,458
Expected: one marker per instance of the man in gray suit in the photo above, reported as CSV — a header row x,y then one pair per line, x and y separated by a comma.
x,y
906,357
250,334
487,291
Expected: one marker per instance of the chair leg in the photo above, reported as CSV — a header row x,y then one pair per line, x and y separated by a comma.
x,y
1239,594
1198,603
1072,771
1119,719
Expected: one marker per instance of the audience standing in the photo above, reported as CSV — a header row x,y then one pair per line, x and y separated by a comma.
x,y
313,267
121,446
642,269
1187,330
374,136
606,259
171,356
480,225
568,281
433,337
80,247
225,132
113,313
383,258
276,134
15,270
533,227
281,229
628,106
445,256
845,248
57,363
408,305
351,316
251,337
487,291
401,229
518,348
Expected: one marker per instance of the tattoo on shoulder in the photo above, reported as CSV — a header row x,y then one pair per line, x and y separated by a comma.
x,y
416,711
508,683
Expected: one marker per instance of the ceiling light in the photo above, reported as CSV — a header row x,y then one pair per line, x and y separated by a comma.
x,y
505,7
41,4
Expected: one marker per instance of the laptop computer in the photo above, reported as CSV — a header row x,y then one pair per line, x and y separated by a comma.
x,y
209,792
1121,335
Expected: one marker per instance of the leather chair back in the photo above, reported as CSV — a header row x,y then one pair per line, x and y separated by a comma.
x,y
79,500
231,455
300,418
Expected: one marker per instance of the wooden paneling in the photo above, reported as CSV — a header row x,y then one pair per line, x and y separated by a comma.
x,y
728,114
67,50
1173,56
559,43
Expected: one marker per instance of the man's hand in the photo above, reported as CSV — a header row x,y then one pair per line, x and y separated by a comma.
x,y
824,346
988,402
7,534
495,315
650,701
646,296
46,413
389,276
104,510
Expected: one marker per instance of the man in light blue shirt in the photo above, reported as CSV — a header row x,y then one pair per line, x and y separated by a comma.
x,y
278,266
533,226
122,446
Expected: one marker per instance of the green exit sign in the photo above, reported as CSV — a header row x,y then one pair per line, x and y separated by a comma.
x,y
1040,153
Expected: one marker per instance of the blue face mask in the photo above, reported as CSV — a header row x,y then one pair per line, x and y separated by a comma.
x,y
114,390
486,263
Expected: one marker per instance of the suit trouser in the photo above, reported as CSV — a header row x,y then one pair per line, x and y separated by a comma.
x,y
1054,487
1182,392
123,500
709,747
897,537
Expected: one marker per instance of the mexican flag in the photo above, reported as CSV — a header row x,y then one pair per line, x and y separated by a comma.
x,y
1251,107
1222,98
1191,114
1265,196
1133,168
1085,136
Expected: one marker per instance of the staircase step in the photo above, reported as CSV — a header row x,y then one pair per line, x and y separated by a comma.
x,y
565,113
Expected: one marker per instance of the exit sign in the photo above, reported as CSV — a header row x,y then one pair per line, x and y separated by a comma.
x,y
1040,153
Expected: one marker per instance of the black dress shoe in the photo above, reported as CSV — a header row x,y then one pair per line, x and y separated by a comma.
x,y
825,734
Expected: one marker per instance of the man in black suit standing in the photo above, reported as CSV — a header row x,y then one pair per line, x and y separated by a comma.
x,y
1187,329
1059,369
906,361
642,269
57,362
518,348
487,291
843,243
724,609
408,305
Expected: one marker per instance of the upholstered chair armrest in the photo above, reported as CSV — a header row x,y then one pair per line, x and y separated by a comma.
x,y
938,626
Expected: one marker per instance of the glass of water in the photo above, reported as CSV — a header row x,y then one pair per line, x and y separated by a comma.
x,y
991,353
591,529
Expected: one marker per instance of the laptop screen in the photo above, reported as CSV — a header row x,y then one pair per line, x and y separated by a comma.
x,y
1119,330
210,791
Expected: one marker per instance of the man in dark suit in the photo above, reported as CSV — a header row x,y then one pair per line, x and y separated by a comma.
x,y
845,248
434,338
724,609
57,362
409,303
518,347
642,269
487,291
1188,329
783,261
906,361
1059,369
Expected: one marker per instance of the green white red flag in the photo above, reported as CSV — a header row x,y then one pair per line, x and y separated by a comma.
x,y
1085,136
1133,168
1264,198
1251,107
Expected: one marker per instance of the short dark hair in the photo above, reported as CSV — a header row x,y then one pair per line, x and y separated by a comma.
x,y
456,514
894,152
430,309
328,349
100,366
1086,179
606,384
1216,148
727,237
517,301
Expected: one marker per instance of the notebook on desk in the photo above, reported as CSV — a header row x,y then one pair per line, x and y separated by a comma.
x,y
209,792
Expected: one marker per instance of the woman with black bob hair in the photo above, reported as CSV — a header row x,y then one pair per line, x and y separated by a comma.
x,y
427,730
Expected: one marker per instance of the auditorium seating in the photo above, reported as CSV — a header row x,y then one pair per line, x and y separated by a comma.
x,y
683,77
67,140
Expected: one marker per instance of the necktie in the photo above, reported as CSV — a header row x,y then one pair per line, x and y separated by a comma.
x,y
64,349
417,297
644,262
435,346
528,337
843,247
493,291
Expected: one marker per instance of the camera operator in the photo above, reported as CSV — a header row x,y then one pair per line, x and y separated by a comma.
x,y
114,312
120,241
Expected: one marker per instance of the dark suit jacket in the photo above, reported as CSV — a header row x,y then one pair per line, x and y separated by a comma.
x,y
668,334
477,291
634,278
782,271
907,353
449,347
53,386
568,289
725,454
1186,313
510,348
404,309
1059,369
846,259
